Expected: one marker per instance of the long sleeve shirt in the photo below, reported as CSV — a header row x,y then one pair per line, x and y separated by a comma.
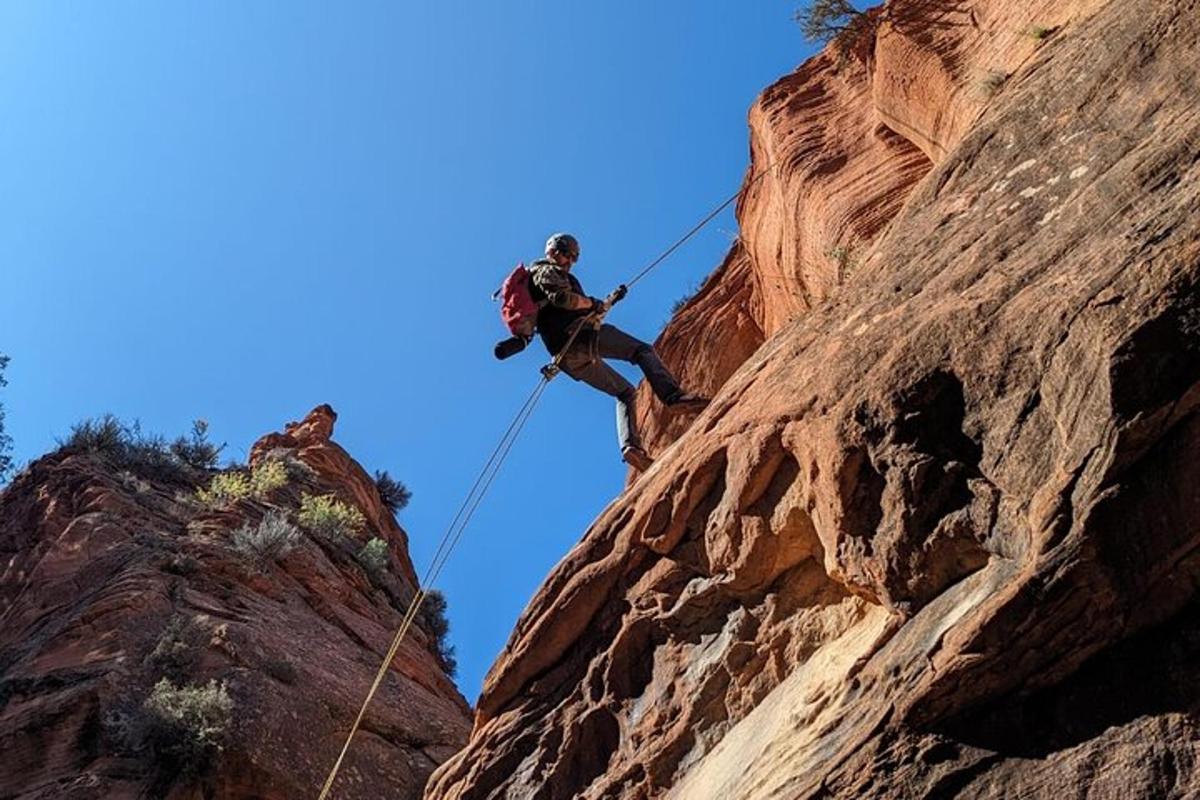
x,y
555,285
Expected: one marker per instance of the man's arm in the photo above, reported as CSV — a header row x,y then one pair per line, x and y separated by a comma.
x,y
559,291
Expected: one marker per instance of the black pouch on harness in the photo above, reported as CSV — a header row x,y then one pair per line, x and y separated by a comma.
x,y
510,347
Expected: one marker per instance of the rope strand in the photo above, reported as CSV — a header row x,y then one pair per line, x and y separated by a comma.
x,y
449,539
699,226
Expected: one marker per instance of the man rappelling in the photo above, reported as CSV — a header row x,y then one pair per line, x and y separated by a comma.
x,y
566,321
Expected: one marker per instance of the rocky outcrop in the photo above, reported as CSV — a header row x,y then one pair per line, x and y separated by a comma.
x,y
938,532
114,578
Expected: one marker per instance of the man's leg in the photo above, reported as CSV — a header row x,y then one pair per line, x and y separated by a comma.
x,y
601,376
612,342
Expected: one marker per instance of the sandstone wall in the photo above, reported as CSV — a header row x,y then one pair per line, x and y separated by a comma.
x,y
845,142
97,565
943,509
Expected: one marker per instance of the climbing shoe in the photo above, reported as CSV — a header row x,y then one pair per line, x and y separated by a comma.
x,y
637,458
687,401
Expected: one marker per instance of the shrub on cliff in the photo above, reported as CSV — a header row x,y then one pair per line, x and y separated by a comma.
x,y
329,518
432,620
374,557
835,21
293,466
106,435
394,494
225,487
267,542
195,450
228,487
177,651
186,725
125,447
268,476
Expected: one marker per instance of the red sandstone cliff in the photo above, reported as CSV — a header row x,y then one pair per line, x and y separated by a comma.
x,y
938,533
113,579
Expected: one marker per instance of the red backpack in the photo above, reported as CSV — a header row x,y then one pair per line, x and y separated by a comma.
x,y
518,309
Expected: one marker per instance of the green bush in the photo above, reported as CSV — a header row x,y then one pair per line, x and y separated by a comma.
x,y
432,619
177,651
329,518
267,542
229,487
104,435
195,450
374,557
224,488
184,725
295,468
124,446
269,475
394,494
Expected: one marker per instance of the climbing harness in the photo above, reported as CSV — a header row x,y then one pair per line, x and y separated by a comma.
x,y
488,474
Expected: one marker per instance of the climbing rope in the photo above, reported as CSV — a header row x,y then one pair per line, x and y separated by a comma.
x,y
449,539
458,524
699,226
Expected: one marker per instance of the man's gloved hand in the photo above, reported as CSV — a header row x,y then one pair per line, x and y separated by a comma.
x,y
618,294
598,305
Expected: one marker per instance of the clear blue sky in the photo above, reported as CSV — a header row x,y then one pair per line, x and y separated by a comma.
x,y
238,210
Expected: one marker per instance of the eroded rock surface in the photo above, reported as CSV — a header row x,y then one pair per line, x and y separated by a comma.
x,y
937,533
113,579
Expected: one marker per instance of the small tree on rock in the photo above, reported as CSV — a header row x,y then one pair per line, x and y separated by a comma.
x,y
394,494
433,621
196,450
834,21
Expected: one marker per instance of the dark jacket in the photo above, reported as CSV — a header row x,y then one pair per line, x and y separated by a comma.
x,y
554,285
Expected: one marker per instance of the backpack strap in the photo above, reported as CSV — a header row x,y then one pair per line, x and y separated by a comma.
x,y
536,293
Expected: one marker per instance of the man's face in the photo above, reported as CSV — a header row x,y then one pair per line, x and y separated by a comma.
x,y
564,260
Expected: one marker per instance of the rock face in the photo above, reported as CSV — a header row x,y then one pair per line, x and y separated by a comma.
x,y
938,533
114,578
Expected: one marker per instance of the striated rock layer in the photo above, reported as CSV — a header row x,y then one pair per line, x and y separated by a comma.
x,y
111,580
938,532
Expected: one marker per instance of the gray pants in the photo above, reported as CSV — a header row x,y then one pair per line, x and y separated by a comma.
x,y
583,363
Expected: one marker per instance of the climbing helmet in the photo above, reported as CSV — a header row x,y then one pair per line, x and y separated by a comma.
x,y
563,243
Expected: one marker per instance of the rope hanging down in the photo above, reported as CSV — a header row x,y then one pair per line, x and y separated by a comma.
x,y
484,481
457,525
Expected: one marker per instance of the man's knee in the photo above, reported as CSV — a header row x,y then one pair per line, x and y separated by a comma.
x,y
616,343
